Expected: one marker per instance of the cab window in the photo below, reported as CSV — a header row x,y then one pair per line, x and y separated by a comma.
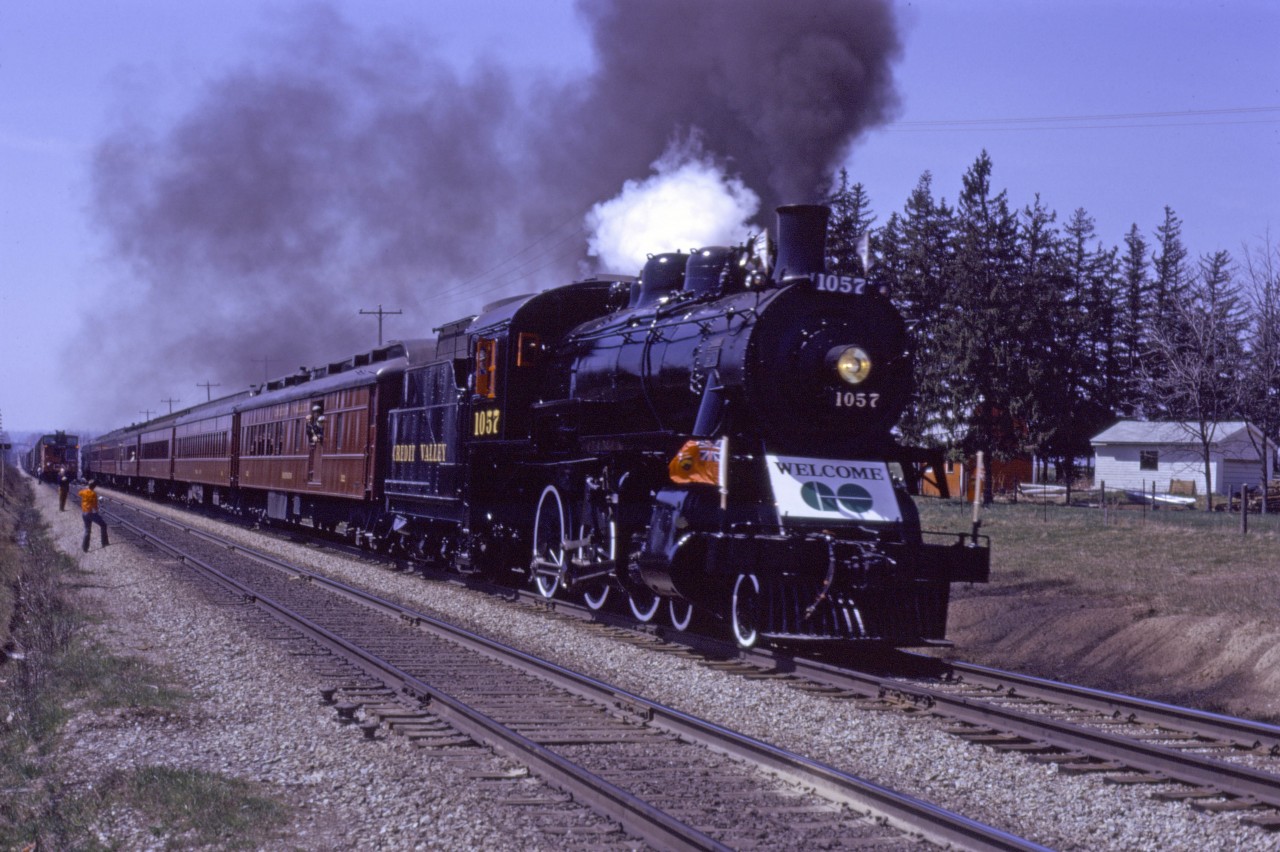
x,y
486,367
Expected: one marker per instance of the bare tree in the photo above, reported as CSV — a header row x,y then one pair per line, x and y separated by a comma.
x,y
1261,383
1197,359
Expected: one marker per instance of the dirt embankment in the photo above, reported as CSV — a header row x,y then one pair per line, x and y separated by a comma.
x,y
1221,663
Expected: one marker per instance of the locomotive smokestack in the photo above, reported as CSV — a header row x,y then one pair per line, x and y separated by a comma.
x,y
802,240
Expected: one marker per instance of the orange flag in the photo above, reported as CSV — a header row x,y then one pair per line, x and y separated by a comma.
x,y
698,462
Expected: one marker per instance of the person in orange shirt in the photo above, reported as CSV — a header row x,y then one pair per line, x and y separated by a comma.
x,y
89,508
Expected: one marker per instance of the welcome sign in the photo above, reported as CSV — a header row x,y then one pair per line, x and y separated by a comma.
x,y
832,489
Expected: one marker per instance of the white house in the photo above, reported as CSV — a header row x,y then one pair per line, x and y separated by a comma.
x,y
1133,453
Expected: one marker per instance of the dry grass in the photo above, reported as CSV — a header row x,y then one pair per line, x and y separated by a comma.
x,y
1175,561
53,671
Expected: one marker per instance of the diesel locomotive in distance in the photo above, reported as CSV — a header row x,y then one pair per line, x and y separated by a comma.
x,y
713,439
53,454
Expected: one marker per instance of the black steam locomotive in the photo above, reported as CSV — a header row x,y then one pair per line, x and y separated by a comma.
x,y
713,438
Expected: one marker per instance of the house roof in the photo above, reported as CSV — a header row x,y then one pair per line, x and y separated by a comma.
x,y
1166,432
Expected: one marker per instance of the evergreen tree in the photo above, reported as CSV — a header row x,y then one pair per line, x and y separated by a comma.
x,y
1169,264
988,333
851,217
1090,353
1169,267
1043,277
1131,317
914,249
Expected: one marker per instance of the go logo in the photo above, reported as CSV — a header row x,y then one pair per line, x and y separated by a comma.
x,y
849,500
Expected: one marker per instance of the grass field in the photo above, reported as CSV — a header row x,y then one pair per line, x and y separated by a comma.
x,y
1177,561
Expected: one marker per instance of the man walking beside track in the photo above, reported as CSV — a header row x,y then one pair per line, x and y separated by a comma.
x,y
64,486
89,506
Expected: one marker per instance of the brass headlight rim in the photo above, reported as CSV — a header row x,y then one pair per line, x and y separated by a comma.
x,y
852,364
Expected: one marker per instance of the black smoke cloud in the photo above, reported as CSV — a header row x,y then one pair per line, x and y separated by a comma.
x,y
345,170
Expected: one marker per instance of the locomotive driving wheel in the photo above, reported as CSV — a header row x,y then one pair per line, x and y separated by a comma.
x,y
547,566
644,604
599,548
745,610
680,613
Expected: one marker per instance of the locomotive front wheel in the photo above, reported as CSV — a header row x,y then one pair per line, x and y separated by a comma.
x,y
680,613
644,604
596,595
745,610
548,542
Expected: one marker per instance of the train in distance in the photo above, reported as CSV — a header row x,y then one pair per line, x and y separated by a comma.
x,y
53,454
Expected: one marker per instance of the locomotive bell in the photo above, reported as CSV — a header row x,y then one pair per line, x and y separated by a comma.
x,y
802,241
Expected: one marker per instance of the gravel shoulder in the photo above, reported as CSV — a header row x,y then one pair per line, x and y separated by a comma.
x,y
255,716
246,724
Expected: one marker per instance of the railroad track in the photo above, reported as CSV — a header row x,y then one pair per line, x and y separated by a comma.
x,y
1211,761
667,778
1214,762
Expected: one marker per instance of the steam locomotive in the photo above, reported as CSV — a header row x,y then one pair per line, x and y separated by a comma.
x,y
713,438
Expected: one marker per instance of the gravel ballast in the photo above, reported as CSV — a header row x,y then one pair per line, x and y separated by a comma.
x,y
263,723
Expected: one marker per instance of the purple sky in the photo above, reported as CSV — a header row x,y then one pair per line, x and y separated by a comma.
x,y
1153,103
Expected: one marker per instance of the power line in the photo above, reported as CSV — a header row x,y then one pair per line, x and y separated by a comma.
x,y
997,129
1234,115
520,272
537,241
1094,117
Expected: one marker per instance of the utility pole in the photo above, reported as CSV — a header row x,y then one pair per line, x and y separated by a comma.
x,y
208,386
171,401
4,454
266,366
380,313
146,413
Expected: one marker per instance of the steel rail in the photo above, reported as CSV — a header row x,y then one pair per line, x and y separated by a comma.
x,y
1177,765
634,814
1198,770
1245,733
904,812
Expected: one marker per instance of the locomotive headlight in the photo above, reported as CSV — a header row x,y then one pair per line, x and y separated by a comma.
x,y
852,363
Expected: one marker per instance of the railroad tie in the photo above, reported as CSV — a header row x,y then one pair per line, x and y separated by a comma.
x,y
498,774
1269,821
1125,778
1182,794
535,801
993,738
1243,803
1085,767
820,688
1023,746
1060,757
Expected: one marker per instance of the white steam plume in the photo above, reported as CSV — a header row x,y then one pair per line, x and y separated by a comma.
x,y
688,202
